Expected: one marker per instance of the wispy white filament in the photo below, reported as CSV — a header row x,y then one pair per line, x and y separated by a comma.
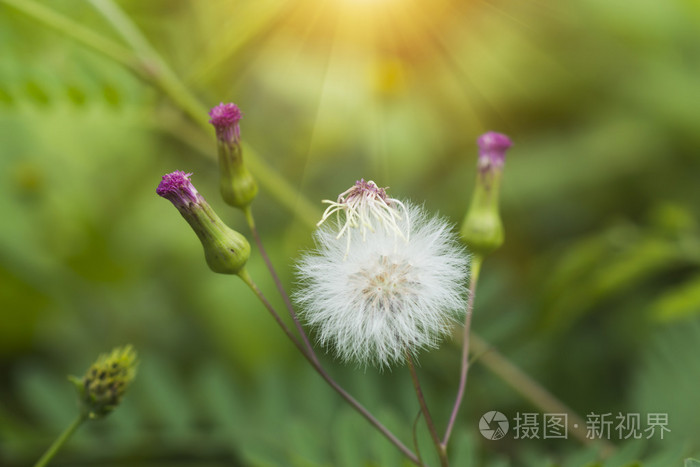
x,y
363,205
377,295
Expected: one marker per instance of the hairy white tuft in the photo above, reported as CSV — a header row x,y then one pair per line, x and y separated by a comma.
x,y
375,298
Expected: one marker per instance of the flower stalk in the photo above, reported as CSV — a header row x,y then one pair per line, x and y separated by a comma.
x,y
100,391
278,283
61,440
464,367
326,377
482,231
238,189
439,447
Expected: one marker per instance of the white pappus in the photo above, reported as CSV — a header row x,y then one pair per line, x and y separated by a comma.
x,y
397,287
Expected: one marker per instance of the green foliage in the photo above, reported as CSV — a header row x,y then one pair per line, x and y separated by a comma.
x,y
213,417
609,263
594,293
667,380
679,302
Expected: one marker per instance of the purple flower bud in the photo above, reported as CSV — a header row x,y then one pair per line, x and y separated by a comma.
x,y
177,188
225,250
238,187
482,229
225,118
492,150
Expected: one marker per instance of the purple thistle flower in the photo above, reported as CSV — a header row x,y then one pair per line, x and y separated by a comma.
x,y
225,118
492,150
177,188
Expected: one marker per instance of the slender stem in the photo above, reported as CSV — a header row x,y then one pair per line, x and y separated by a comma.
x,y
442,452
415,436
331,382
243,274
474,277
533,391
61,440
278,283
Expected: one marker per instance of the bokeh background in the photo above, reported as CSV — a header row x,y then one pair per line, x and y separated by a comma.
x,y
595,294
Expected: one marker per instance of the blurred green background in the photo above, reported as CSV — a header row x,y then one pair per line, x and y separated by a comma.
x,y
596,293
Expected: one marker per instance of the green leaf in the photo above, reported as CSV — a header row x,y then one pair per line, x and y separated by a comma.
x,y
682,301
603,266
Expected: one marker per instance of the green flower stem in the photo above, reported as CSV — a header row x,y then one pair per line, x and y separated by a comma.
x,y
61,440
248,211
511,375
149,66
319,369
442,452
474,277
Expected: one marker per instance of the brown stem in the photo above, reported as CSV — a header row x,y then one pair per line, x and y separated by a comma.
x,y
278,283
476,266
442,452
331,382
415,437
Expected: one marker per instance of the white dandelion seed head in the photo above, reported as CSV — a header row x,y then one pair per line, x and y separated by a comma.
x,y
378,295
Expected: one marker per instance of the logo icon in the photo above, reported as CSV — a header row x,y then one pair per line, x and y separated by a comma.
x,y
493,425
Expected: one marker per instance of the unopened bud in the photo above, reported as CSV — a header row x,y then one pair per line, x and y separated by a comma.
x,y
225,250
104,384
238,187
482,229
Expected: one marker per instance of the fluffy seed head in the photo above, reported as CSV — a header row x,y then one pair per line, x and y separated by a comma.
x,y
378,295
